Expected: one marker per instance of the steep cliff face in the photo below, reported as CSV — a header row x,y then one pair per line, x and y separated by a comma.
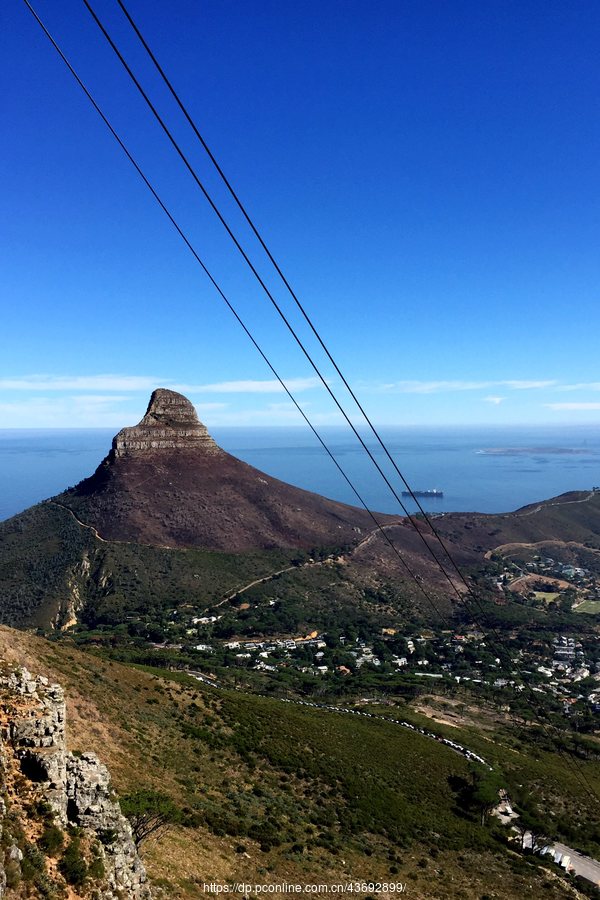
x,y
170,423
61,822
166,483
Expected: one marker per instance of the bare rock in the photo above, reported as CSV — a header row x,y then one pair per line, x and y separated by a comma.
x,y
170,423
77,787
90,805
37,735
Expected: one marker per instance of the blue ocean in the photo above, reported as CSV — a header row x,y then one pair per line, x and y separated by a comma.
x,y
478,469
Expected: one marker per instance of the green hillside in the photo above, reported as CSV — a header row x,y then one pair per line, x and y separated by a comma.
x,y
55,571
270,791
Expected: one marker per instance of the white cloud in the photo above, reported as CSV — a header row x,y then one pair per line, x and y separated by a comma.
x,y
527,385
209,407
271,414
113,400
583,405
138,383
63,412
249,386
88,400
583,386
108,411
432,387
271,417
80,383
437,387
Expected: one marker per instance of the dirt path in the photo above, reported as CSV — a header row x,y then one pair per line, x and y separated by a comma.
x,y
246,587
375,532
99,537
83,525
306,565
531,579
251,584
536,509
345,710
268,577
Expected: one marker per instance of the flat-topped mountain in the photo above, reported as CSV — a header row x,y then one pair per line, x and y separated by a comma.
x,y
167,483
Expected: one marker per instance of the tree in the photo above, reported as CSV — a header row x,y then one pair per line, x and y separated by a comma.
x,y
479,795
149,812
533,831
486,792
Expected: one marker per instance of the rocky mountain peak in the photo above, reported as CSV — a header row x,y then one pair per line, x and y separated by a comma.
x,y
170,409
166,483
170,423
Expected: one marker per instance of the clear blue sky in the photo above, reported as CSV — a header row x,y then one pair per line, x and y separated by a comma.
x,y
427,174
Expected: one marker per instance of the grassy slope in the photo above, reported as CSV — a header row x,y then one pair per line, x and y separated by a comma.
x,y
565,786
334,797
38,550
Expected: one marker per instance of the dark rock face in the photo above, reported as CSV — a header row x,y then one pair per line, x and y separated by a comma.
x,y
167,483
170,423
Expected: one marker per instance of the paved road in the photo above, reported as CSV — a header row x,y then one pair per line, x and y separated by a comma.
x,y
579,864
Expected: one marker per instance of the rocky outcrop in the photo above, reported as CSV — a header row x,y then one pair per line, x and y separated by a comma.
x,y
76,787
170,423
91,805
36,732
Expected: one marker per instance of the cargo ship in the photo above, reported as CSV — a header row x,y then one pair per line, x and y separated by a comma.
x,y
433,493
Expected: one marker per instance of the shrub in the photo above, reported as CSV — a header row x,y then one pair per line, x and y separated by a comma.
x,y
107,836
51,840
13,873
41,810
96,868
33,862
72,865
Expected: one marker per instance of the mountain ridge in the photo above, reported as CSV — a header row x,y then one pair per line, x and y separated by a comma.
x,y
169,519
166,482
